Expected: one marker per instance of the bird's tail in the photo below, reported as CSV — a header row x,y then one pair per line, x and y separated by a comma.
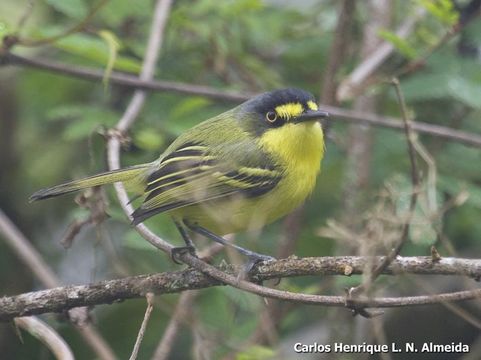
x,y
133,174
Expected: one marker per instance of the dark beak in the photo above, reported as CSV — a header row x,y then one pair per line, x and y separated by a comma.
x,y
311,115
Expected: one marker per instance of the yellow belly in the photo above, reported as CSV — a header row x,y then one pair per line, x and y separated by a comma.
x,y
300,147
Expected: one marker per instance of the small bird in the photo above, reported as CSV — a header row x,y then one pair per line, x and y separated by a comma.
x,y
237,171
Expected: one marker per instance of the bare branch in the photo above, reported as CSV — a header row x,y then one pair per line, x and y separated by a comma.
x,y
353,82
410,137
46,335
337,51
140,335
226,95
154,44
27,253
182,312
182,308
106,292
130,115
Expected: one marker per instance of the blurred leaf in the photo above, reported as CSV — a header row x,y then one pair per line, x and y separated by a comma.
x,y
215,309
472,32
113,44
444,10
256,352
189,106
4,29
460,160
399,43
442,86
455,186
95,49
117,13
73,8
149,139
421,230
133,240
244,300
83,119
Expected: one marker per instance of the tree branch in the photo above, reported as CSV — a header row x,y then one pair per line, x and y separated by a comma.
x,y
352,84
33,260
226,95
106,292
47,335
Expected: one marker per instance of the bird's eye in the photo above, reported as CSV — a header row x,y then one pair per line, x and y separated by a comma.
x,y
271,116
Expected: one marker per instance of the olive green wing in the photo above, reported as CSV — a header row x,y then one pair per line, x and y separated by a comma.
x,y
194,173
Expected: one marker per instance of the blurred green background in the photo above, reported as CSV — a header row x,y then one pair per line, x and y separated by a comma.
x,y
51,131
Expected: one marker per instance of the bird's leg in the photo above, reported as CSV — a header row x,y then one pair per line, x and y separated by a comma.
x,y
253,257
189,244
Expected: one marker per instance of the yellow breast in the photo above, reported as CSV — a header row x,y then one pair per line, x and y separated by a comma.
x,y
299,149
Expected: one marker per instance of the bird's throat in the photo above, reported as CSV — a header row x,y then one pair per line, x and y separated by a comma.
x,y
299,147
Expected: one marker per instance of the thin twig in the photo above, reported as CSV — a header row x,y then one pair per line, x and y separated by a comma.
x,y
26,252
181,310
353,82
337,51
161,12
25,16
46,335
234,96
418,63
29,255
410,138
463,313
140,335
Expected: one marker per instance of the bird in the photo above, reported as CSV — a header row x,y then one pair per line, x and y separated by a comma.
x,y
237,171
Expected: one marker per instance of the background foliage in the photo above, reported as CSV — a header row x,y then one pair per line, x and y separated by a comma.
x,y
51,126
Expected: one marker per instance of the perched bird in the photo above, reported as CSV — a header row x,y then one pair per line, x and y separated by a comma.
x,y
237,171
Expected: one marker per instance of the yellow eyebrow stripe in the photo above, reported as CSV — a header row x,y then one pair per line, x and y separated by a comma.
x,y
289,110
312,105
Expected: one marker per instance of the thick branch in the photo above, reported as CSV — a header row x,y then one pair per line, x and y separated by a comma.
x,y
225,95
106,292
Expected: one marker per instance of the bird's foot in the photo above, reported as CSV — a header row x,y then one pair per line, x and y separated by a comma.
x,y
176,252
253,259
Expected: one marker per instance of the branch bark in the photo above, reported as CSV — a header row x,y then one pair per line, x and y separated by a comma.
x,y
106,292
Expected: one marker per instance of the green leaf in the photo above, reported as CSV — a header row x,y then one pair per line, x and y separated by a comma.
x,y
95,49
113,44
73,8
442,9
149,139
399,43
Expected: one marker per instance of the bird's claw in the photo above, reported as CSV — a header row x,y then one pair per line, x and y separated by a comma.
x,y
254,259
181,250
